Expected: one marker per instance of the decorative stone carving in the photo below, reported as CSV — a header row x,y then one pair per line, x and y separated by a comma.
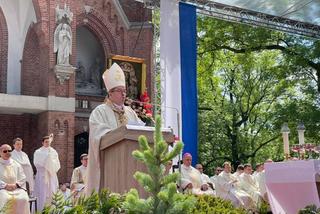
x,y
63,72
64,14
63,43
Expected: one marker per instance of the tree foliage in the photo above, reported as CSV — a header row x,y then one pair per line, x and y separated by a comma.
x,y
250,81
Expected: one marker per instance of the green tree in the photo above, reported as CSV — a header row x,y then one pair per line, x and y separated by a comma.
x,y
249,86
302,54
161,187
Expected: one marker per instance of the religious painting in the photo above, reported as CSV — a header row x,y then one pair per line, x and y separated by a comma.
x,y
135,73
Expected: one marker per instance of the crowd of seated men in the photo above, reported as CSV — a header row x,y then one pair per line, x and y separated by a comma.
x,y
244,188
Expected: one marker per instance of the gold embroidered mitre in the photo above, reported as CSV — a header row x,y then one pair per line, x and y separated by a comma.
x,y
114,77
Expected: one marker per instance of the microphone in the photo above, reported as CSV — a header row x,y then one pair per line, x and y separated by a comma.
x,y
159,105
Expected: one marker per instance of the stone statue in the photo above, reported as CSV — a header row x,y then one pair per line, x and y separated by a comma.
x,y
64,15
96,73
63,43
80,73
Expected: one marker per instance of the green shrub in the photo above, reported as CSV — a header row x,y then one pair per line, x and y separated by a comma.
x,y
310,209
264,208
102,203
209,204
164,198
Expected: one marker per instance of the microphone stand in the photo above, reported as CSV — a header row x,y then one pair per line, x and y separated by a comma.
x,y
178,126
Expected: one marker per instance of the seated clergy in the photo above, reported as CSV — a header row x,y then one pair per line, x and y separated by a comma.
x,y
12,184
239,171
205,178
65,191
250,186
261,181
79,177
227,188
218,170
191,180
259,168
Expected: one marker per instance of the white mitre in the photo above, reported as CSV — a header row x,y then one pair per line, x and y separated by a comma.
x,y
114,77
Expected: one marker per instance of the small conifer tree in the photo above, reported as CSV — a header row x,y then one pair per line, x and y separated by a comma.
x,y
162,188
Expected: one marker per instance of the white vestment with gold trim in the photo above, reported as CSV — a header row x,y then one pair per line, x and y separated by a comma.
x,y
227,187
191,175
47,162
11,172
23,159
102,120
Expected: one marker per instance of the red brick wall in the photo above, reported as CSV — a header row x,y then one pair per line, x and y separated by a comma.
x,y
30,72
63,141
31,128
23,126
61,124
81,122
38,77
141,46
131,7
105,22
3,53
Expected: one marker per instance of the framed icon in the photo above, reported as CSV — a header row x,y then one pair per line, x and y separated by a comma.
x,y
135,73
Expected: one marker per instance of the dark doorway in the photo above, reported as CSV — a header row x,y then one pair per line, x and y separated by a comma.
x,y
81,145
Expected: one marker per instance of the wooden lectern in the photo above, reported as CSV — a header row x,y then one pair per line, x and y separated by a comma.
x,y
117,163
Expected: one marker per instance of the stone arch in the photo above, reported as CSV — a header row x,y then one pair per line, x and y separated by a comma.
x,y
103,33
4,52
41,11
30,68
90,62
38,10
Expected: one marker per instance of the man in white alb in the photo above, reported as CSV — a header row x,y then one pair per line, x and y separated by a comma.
x,y
23,159
227,187
213,178
205,178
47,163
191,180
79,177
250,186
106,117
239,171
12,184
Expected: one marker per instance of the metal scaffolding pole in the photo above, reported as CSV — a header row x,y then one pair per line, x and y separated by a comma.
x,y
250,17
223,12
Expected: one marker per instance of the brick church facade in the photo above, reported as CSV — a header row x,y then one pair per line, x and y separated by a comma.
x,y
33,100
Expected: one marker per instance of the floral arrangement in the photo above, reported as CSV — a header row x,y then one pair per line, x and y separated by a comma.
x,y
143,108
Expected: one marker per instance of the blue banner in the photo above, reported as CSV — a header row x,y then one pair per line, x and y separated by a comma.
x,y
189,100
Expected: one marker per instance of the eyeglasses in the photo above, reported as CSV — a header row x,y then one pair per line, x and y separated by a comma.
x,y
6,151
119,91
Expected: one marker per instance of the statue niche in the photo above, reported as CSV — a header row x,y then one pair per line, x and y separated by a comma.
x,y
63,35
62,43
